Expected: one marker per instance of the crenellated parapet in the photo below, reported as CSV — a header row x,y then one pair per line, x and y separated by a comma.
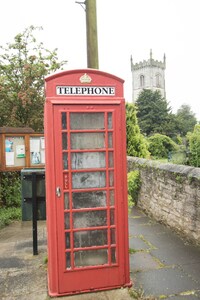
x,y
148,63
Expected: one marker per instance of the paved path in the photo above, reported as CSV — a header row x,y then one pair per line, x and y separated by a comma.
x,y
161,264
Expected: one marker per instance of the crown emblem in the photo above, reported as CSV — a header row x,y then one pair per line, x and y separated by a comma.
x,y
85,78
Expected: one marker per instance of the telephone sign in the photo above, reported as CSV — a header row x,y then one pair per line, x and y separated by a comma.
x,y
86,183
85,90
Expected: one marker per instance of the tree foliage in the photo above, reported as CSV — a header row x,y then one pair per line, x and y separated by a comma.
x,y
153,112
194,145
135,141
160,145
186,119
23,65
155,116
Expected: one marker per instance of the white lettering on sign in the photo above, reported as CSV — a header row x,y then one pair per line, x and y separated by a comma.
x,y
86,90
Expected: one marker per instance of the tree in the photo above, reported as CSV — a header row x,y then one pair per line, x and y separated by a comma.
x,y
186,119
160,145
194,144
23,66
135,141
153,112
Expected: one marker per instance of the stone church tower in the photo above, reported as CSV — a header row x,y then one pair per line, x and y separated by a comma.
x,y
148,74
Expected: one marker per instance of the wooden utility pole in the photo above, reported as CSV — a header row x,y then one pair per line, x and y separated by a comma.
x,y
91,29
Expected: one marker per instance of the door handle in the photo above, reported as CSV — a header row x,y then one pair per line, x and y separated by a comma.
x,y
58,191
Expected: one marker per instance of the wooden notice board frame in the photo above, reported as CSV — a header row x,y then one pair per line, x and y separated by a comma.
x,y
21,148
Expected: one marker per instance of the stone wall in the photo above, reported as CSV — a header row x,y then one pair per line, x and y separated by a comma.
x,y
171,194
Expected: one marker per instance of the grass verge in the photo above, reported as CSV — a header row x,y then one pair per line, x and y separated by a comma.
x,y
7,215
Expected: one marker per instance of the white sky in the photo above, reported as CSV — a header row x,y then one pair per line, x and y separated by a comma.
x,y
125,28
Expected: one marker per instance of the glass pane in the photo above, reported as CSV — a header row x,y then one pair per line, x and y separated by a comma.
x,y
87,121
65,161
90,219
37,155
16,152
64,120
112,217
110,140
112,198
66,200
67,222
111,178
90,238
87,140
110,125
110,160
64,141
91,257
68,260
89,199
112,235
88,160
88,180
67,240
113,255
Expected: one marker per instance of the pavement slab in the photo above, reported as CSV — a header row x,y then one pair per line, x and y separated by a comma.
x,y
193,270
166,281
136,212
166,240
142,261
148,229
137,243
178,255
186,297
139,220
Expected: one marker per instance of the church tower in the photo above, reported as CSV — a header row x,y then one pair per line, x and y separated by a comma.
x,y
148,74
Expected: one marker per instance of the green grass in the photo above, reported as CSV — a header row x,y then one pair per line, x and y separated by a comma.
x,y
7,215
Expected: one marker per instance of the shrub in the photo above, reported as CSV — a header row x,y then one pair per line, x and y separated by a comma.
x,y
135,142
194,144
10,189
10,197
133,187
161,145
7,215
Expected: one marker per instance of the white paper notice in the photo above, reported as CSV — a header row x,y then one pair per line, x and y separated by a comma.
x,y
9,158
42,157
34,145
42,143
20,151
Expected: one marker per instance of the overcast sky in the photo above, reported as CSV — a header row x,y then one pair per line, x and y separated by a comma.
x,y
125,28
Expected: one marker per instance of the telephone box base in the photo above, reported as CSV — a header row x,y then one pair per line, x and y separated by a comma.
x,y
51,294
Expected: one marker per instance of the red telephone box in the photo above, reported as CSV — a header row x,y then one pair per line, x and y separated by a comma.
x,y
86,183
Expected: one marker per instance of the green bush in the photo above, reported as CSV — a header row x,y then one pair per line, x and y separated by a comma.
x,y
10,197
10,189
161,145
7,215
135,142
133,187
194,144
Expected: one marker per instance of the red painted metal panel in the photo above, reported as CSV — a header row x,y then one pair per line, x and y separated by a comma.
x,y
86,182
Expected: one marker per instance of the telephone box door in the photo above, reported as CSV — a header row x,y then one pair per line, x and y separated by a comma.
x,y
89,212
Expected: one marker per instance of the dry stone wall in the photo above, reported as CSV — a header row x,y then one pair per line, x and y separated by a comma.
x,y
171,194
